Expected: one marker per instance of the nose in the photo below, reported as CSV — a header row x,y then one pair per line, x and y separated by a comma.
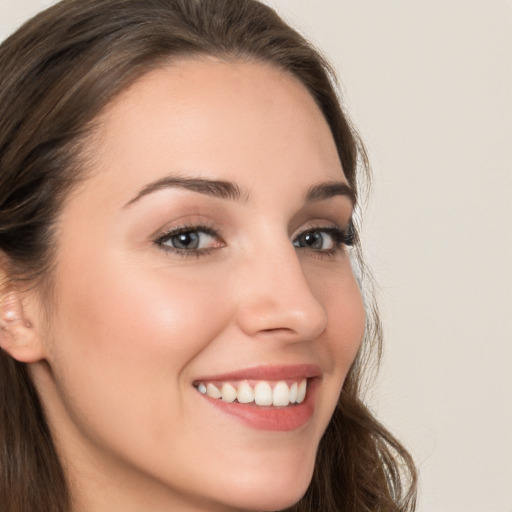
x,y
277,299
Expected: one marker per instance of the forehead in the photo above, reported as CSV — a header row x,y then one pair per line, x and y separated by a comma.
x,y
241,121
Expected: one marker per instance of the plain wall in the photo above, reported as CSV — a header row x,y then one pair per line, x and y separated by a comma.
x,y
429,84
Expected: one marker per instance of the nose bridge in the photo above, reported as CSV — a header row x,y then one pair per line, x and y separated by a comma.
x,y
277,296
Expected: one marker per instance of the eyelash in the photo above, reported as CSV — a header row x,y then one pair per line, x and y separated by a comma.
x,y
340,238
182,230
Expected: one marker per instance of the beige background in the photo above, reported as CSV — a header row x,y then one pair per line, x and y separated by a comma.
x,y
429,84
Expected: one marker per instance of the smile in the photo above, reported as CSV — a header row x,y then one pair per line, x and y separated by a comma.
x,y
262,393
271,398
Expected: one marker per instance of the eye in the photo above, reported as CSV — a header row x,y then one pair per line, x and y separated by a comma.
x,y
188,239
324,239
317,240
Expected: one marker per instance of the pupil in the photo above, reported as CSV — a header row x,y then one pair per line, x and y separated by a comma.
x,y
186,241
313,240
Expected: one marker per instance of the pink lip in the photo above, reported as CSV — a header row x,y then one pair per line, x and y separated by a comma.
x,y
276,372
269,418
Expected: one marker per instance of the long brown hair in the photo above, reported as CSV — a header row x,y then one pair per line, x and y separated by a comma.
x,y
57,73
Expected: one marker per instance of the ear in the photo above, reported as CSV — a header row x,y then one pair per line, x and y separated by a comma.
x,y
18,335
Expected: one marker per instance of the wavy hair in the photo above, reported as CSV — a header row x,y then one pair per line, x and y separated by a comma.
x,y
57,73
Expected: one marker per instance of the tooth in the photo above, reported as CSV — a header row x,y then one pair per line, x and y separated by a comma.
x,y
213,391
293,392
263,393
281,394
301,392
201,388
228,392
245,393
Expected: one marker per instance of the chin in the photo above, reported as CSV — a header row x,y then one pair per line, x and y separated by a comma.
x,y
270,491
269,500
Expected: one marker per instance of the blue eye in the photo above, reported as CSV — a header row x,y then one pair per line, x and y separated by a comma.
x,y
324,239
189,239
318,240
199,240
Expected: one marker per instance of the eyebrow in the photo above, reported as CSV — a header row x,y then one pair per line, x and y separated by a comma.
x,y
331,189
229,190
214,188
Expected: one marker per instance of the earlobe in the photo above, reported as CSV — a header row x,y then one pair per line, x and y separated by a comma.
x,y
18,336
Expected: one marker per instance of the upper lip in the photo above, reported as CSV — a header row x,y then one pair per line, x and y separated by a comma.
x,y
268,372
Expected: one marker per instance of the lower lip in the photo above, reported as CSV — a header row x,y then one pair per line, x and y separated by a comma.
x,y
270,418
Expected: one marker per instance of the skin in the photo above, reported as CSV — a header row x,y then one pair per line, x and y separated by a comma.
x,y
134,325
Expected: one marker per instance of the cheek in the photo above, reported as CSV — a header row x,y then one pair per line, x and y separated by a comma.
x,y
140,309
126,334
349,320
341,297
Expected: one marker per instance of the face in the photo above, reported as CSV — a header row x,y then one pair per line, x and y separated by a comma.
x,y
206,255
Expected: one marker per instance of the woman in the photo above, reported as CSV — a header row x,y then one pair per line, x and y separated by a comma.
x,y
181,328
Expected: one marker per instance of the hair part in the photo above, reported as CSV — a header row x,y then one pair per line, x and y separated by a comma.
x,y
58,73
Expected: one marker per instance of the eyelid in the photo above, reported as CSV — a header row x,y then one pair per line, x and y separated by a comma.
x,y
187,228
324,224
343,236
